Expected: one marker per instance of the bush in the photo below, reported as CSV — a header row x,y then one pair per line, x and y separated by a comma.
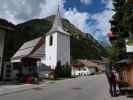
x,y
62,71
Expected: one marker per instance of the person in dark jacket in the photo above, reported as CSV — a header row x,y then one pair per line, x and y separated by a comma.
x,y
113,84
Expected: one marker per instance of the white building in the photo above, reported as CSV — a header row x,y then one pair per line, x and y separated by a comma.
x,y
86,67
57,44
55,47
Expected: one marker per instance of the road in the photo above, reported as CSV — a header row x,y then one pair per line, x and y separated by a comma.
x,y
83,88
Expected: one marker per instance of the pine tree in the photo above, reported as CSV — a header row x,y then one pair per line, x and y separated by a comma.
x,y
121,26
58,70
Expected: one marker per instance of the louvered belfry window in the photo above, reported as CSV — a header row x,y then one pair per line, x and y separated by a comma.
x,y
51,40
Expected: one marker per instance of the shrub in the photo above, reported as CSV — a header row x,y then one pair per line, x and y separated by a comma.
x,y
62,71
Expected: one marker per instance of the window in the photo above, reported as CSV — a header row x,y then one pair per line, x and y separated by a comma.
x,y
51,40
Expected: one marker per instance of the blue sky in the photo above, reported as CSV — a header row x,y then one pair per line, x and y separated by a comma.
x,y
90,16
94,7
95,15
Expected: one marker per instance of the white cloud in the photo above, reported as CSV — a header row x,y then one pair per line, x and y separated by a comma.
x,y
103,20
108,4
86,1
50,8
79,19
102,26
18,11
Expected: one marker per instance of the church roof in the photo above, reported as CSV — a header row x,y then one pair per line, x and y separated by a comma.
x,y
58,26
34,49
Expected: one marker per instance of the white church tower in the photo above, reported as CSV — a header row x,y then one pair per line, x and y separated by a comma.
x,y
57,44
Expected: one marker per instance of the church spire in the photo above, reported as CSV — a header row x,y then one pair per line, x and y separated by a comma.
x,y
57,24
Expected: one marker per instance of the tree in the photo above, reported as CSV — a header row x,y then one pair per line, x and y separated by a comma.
x,y
58,70
62,71
121,25
122,19
67,70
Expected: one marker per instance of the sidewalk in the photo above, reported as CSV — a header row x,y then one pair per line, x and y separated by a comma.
x,y
6,89
12,88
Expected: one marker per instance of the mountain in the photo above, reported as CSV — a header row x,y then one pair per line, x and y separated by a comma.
x,y
83,46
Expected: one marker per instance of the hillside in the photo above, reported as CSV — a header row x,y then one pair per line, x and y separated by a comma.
x,y
82,45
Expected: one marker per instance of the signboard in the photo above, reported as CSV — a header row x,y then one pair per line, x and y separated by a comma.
x,y
129,45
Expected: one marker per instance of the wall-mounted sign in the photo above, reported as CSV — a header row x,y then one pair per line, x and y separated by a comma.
x,y
129,45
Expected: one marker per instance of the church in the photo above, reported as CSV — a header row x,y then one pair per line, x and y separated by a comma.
x,y
53,48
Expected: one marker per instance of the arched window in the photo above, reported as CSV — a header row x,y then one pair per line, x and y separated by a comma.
x,y
51,40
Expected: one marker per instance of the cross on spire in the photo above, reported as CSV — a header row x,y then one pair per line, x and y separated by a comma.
x,y
58,9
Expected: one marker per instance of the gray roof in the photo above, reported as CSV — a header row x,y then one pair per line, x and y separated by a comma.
x,y
34,49
57,26
125,61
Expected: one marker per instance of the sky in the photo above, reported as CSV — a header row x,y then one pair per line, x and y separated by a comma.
x,y
90,16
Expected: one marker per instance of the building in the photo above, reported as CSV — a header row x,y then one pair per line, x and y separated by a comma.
x,y
86,67
3,31
126,72
34,49
126,65
57,44
55,47
130,5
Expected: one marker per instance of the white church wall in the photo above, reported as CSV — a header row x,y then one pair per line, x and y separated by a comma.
x,y
63,47
59,51
51,51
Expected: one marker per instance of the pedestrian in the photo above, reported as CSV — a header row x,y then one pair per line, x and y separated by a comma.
x,y
117,82
113,84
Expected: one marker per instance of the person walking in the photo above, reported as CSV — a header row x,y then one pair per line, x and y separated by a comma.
x,y
113,84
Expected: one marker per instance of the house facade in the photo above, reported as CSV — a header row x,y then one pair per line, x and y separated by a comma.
x,y
86,68
3,31
126,71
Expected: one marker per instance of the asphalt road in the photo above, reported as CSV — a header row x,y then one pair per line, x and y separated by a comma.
x,y
83,88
